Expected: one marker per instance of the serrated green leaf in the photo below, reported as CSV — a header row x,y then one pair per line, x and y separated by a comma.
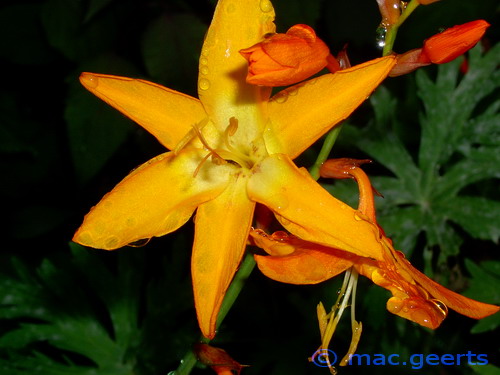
x,y
481,164
452,154
54,307
480,217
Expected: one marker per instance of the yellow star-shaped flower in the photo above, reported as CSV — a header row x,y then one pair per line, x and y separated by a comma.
x,y
231,148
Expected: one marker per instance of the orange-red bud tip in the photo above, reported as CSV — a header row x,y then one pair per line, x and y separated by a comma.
x,y
453,42
217,359
285,59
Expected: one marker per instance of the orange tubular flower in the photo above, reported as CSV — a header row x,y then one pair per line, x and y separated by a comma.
x,y
285,59
453,42
415,296
441,48
231,148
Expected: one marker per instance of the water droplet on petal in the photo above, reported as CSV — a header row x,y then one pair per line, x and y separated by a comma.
x,y
204,84
89,80
140,243
280,97
204,70
265,6
280,235
440,306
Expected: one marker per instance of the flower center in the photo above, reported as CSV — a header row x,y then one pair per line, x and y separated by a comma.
x,y
224,152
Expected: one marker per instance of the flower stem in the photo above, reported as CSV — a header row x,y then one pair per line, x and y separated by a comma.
x,y
392,30
246,268
330,139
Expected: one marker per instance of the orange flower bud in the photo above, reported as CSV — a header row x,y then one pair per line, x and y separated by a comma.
x,y
453,42
217,359
285,59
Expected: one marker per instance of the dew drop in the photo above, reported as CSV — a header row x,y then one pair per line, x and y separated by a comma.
x,y
380,35
281,202
204,84
280,236
89,80
204,70
203,61
265,6
139,243
281,98
440,306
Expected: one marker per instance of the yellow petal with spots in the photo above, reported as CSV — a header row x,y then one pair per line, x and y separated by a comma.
x,y
222,71
155,199
165,113
308,211
302,113
221,232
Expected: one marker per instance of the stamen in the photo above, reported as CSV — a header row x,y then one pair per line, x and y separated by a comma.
x,y
212,152
328,323
236,155
190,135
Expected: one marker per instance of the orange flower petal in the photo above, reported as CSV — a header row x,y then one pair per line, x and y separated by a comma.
x,y
463,305
165,113
308,211
302,113
453,42
307,263
221,233
153,200
221,81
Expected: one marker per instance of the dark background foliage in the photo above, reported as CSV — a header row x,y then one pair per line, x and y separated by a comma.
x,y
69,310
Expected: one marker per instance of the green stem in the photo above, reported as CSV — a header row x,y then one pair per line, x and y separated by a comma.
x,y
246,268
330,139
236,286
392,30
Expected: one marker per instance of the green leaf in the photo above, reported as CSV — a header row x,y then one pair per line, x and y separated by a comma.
x,y
458,148
484,284
480,217
54,307
488,369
